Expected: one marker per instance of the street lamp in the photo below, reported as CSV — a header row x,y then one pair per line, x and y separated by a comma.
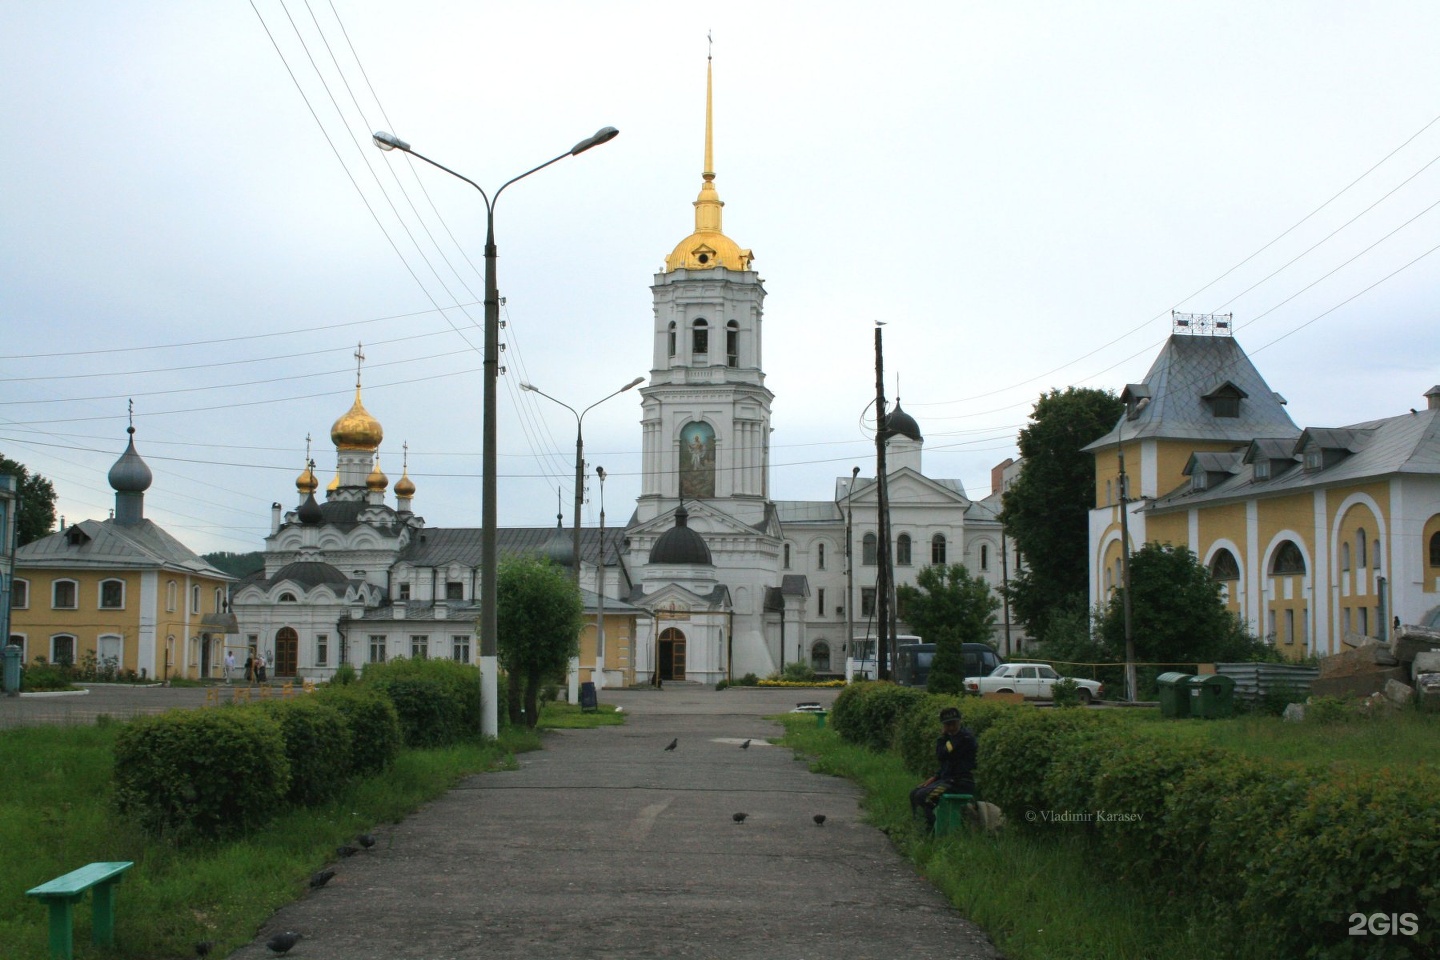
x,y
489,627
580,456
1130,689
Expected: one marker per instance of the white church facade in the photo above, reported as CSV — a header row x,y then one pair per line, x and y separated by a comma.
x,y
710,579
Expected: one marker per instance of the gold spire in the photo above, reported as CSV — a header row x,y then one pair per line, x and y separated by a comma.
x,y
708,247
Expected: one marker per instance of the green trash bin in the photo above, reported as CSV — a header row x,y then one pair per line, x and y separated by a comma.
x,y
1212,696
1174,694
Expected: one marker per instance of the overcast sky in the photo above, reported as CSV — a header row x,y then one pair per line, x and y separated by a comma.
x,y
192,216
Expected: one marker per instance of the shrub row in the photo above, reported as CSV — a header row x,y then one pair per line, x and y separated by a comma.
x,y
438,700
1289,853
209,774
883,716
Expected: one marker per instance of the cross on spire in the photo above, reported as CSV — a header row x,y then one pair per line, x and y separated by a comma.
x,y
359,362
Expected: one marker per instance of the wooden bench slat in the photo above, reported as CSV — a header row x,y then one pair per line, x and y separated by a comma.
x,y
76,882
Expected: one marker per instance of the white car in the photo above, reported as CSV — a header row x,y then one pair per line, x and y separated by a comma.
x,y
1034,681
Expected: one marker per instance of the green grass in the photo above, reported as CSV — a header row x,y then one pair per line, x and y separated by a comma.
x,y
569,716
1405,738
1039,898
55,815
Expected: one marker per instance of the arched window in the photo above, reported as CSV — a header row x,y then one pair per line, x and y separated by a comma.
x,y
1288,561
732,344
62,649
1223,566
787,556
1344,558
867,550
672,338
1360,557
1375,556
984,556
287,597
64,595
1435,550
820,556
699,337
219,599
170,588
937,549
902,550
112,594
195,598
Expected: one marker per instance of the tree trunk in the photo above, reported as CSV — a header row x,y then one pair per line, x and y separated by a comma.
x,y
532,697
513,693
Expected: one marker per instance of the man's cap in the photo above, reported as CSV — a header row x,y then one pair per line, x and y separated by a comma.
x,y
949,713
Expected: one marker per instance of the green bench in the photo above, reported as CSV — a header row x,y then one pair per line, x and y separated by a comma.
x,y
63,893
950,812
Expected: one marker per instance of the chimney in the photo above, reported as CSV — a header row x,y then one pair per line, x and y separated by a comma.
x,y
274,518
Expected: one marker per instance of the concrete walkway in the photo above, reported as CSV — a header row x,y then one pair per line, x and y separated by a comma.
x,y
605,845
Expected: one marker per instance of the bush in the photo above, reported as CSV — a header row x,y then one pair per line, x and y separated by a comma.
x,y
798,671
201,774
868,714
344,675
1065,692
319,746
1334,710
44,676
1016,753
438,700
375,734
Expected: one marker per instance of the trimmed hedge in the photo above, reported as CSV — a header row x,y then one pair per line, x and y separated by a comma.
x,y
318,745
438,701
201,774
868,713
374,724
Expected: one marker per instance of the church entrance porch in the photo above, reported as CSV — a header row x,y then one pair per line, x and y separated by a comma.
x,y
672,655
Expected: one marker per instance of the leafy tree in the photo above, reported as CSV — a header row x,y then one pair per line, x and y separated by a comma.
x,y
949,607
1046,510
539,615
236,564
37,502
1177,613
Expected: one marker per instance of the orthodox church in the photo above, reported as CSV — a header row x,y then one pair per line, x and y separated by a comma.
x,y
710,579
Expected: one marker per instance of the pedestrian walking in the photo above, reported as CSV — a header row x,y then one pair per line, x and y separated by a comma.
x,y
260,668
249,668
229,666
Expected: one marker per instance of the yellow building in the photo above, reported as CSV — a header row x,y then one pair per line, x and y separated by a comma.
x,y
122,591
1316,535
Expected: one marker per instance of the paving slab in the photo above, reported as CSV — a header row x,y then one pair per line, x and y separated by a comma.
x,y
606,845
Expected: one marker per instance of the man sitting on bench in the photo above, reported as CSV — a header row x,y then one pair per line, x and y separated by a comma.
x,y
955,752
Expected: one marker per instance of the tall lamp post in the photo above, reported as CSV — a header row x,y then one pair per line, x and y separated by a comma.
x,y
850,563
489,625
580,455
1130,688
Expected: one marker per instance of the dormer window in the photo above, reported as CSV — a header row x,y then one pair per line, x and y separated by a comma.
x,y
1224,401
76,537
1262,469
1314,459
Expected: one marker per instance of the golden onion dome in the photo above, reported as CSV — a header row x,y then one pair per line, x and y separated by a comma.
x,y
357,430
334,484
306,482
405,487
377,481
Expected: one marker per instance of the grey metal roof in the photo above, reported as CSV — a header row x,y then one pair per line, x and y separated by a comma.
x,y
438,546
107,544
1188,369
310,573
1409,443
808,511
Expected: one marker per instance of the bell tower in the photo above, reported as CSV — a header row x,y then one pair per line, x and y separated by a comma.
x,y
706,410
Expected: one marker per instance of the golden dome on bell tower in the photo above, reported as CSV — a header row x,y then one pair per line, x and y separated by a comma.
x,y
708,247
306,482
377,481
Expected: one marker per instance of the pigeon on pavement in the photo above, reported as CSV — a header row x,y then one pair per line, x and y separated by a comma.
x,y
347,850
745,745
819,819
673,744
739,817
318,880
366,840
281,943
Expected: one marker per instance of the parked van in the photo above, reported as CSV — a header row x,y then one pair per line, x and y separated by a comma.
x,y
912,667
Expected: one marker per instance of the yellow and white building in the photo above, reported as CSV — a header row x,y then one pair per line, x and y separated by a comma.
x,y
123,591
1316,535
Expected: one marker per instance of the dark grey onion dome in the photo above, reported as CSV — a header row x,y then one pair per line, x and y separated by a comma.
x,y
130,474
310,573
560,549
680,544
309,512
899,422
